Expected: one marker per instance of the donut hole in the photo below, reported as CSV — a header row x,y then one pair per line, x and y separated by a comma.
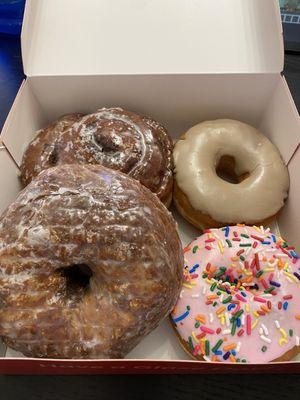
x,y
77,277
225,170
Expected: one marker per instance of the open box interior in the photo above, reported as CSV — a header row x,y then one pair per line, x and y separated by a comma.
x,y
179,62
178,101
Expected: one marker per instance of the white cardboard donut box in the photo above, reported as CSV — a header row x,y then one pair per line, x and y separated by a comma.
x,y
181,62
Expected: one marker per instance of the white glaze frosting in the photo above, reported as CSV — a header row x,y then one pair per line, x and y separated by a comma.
x,y
259,196
245,270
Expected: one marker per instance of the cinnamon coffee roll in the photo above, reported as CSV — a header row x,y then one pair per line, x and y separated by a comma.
x,y
115,138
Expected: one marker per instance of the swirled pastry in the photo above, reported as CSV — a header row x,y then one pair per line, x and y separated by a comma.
x,y
112,137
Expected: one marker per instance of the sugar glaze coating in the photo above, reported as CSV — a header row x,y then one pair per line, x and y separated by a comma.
x,y
115,138
73,215
240,299
42,152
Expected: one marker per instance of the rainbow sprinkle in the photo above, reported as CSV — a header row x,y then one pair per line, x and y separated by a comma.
x,y
238,296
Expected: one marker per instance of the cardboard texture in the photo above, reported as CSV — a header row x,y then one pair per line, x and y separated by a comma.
x,y
180,62
70,37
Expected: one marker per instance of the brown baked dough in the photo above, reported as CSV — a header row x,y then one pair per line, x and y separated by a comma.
x,y
43,151
115,138
204,221
90,263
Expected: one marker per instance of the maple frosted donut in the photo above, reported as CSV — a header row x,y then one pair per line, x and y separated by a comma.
x,y
227,172
240,300
90,263
115,138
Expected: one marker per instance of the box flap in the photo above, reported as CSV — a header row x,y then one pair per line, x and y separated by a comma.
x,y
74,37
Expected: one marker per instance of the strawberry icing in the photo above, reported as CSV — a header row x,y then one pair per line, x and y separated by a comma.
x,y
240,297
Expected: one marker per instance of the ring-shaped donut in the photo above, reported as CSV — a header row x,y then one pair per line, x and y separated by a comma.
x,y
240,297
90,263
206,199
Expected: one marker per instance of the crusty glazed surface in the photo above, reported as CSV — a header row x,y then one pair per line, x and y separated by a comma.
x,y
43,150
75,215
115,138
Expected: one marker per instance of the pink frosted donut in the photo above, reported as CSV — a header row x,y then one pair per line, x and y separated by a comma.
x,y
240,300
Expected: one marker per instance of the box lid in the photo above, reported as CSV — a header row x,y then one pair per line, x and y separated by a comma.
x,y
74,37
